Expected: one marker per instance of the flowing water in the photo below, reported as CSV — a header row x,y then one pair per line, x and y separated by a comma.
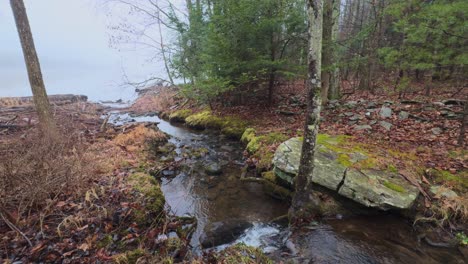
x,y
214,198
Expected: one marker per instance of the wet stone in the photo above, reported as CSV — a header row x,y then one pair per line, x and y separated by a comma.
x,y
224,232
213,169
168,173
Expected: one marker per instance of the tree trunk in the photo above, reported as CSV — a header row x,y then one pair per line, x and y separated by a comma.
x,y
334,89
327,50
41,101
303,206
461,136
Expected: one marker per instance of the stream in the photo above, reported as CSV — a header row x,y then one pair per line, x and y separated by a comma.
x,y
221,197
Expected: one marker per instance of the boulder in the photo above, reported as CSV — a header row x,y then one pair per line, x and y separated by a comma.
x,y
334,170
219,233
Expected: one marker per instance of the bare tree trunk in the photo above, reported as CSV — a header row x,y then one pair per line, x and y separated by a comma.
x,y
34,69
464,121
163,52
327,49
303,205
334,90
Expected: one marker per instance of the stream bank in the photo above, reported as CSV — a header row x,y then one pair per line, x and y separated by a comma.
x,y
219,198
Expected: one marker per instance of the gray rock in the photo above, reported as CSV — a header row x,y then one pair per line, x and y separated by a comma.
x,y
362,127
213,168
371,105
453,102
378,189
355,117
437,130
386,125
373,122
167,173
219,233
350,104
349,114
385,112
441,191
403,115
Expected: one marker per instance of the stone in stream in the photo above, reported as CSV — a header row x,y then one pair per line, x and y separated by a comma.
x,y
213,168
334,170
219,233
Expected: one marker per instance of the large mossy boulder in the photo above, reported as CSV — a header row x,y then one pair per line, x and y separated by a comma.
x,y
349,172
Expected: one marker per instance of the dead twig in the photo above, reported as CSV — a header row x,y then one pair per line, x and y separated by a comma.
x,y
14,228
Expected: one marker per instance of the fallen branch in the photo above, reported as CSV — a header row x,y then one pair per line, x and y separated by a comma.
x,y
14,228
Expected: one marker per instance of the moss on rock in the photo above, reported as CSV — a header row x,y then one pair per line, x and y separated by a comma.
x,y
394,186
180,115
248,135
204,119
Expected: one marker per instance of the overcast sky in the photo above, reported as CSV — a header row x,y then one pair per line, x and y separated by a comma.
x,y
72,41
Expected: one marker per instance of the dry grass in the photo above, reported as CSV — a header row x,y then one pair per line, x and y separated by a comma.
x,y
35,169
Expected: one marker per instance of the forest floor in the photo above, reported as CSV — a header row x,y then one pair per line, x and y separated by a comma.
x,y
86,196
89,196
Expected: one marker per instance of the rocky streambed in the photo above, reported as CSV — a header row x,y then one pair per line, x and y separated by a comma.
x,y
207,185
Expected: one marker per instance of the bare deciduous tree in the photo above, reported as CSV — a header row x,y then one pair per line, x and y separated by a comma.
x,y
303,203
34,69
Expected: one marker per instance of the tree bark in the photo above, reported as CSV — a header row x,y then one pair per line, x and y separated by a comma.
x,y
303,205
464,121
331,14
41,101
334,89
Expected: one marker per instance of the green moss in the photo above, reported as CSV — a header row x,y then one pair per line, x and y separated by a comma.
x,y
199,152
105,241
394,186
129,257
443,175
273,137
276,191
180,115
270,176
248,135
344,160
233,132
254,145
204,119
392,168
241,253
173,244
148,186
